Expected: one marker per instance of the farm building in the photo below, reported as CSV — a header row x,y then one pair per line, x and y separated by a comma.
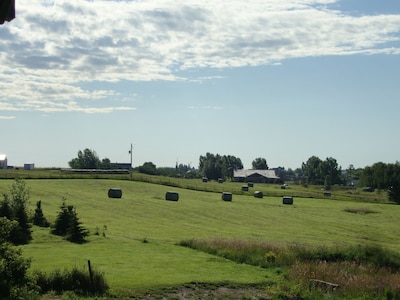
x,y
3,161
260,176
29,166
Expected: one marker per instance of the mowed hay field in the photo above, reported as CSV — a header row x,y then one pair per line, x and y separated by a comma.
x,y
137,249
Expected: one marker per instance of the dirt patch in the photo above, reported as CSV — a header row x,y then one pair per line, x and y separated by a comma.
x,y
212,292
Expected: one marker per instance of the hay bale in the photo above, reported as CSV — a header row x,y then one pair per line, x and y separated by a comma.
x,y
258,194
287,200
205,179
226,196
245,188
172,196
220,180
115,193
327,194
283,187
250,184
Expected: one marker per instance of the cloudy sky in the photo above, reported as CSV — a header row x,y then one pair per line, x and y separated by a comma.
x,y
282,80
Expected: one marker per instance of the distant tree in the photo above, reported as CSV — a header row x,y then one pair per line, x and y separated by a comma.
x,y
260,164
87,159
148,168
331,172
39,218
325,172
394,192
380,175
217,166
311,170
106,164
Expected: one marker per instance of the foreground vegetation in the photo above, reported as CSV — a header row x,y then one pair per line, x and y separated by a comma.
x,y
256,245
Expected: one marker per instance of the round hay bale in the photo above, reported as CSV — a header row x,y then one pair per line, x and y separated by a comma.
x,y
205,179
327,194
250,184
258,194
226,196
172,196
287,200
220,180
115,193
245,188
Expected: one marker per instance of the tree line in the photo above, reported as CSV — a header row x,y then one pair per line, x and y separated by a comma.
x,y
314,171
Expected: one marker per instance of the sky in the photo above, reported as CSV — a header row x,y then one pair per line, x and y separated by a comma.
x,y
280,80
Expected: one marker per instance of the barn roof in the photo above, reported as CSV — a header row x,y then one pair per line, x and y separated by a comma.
x,y
246,173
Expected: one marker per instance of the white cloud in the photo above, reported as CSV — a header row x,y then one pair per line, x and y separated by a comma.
x,y
7,117
54,47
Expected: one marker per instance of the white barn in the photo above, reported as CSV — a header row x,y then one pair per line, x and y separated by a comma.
x,y
3,161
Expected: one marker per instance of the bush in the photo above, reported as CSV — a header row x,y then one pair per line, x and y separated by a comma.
x,y
76,280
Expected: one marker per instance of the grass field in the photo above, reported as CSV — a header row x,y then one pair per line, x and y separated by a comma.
x,y
137,249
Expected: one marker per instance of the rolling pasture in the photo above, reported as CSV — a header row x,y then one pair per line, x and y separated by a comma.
x,y
137,235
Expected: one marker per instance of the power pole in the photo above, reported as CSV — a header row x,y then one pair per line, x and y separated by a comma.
x,y
130,152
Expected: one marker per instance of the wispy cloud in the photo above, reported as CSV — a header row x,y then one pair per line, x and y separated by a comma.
x,y
54,47
7,117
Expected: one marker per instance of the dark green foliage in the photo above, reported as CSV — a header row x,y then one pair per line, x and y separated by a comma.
x,y
62,220
259,164
320,172
88,159
15,208
67,224
76,280
5,208
394,192
39,218
75,232
381,176
14,280
217,166
148,168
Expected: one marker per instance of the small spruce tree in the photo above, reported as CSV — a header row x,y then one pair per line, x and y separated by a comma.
x,y
67,224
39,218
63,219
75,232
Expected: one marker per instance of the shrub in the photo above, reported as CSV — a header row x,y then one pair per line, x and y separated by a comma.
x,y
76,280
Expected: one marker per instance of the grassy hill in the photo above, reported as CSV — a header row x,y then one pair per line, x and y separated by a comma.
x,y
138,235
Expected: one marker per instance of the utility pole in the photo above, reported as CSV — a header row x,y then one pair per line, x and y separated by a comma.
x,y
130,152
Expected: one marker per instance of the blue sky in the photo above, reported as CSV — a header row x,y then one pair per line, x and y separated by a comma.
x,y
282,80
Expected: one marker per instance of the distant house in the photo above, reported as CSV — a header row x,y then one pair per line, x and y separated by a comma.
x,y
260,176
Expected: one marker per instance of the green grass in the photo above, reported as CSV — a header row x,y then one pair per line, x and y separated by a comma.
x,y
140,249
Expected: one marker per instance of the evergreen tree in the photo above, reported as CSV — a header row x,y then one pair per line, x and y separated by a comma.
x,y
5,208
39,218
68,225
63,219
75,232
22,234
15,208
